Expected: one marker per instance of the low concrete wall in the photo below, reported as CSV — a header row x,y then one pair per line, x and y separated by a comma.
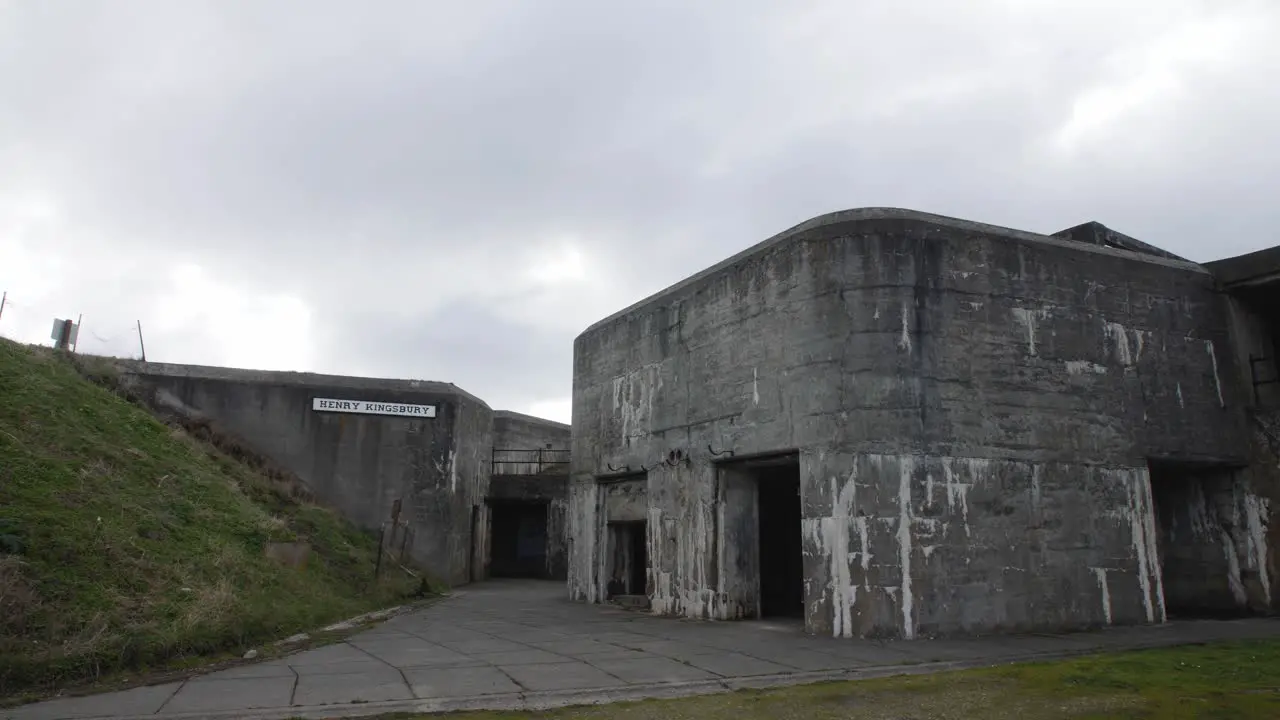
x,y
438,467
527,445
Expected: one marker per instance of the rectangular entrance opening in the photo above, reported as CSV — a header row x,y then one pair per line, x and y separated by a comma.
x,y
761,536
629,561
781,552
1203,539
518,543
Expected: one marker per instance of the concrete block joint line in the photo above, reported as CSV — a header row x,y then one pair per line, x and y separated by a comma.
x,y
521,645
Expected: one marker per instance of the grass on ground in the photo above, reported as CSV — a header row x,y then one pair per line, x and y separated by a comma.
x,y
1223,681
128,544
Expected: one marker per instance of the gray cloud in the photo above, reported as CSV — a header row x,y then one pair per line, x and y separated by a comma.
x,y
372,188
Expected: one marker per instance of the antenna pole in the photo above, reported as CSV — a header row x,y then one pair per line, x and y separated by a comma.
x,y
142,344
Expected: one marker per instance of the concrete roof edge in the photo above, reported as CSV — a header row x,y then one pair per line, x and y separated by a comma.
x,y
856,215
1243,269
290,377
513,415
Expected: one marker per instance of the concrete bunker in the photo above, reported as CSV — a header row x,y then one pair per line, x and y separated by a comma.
x,y
424,464
970,409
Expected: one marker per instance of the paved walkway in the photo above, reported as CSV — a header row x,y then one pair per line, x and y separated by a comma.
x,y
517,644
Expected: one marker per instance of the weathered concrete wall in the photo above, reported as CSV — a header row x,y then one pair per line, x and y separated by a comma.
x,y
1252,285
626,501
1212,543
1263,477
973,406
360,464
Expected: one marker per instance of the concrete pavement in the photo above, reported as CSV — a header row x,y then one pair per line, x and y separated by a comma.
x,y
521,645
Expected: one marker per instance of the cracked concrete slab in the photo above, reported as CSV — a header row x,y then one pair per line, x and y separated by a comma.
x,y
651,669
463,682
364,687
232,694
519,645
137,701
576,675
734,664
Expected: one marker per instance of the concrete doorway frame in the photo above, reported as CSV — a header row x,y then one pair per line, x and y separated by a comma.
x,y
737,516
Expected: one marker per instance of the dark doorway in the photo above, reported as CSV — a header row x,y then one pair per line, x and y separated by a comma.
x,y
781,551
629,563
1202,541
518,546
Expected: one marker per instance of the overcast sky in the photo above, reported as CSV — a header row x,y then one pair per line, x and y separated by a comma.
x,y
454,190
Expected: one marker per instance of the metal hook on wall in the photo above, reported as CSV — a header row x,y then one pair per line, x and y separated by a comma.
x,y
624,468
718,454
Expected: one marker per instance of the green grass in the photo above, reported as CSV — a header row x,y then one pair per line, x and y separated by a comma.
x,y
128,544
1229,681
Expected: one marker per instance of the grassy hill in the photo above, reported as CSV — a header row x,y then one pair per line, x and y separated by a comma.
x,y
127,543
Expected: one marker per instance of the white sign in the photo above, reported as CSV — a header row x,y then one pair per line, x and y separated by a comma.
x,y
370,407
58,326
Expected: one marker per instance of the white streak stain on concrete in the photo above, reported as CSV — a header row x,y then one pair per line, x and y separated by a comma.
x,y
1027,319
864,548
755,386
957,491
1233,569
1181,402
1217,381
453,472
1257,514
584,562
1141,518
1127,352
685,589
904,343
1101,574
830,535
633,396
906,465
1080,367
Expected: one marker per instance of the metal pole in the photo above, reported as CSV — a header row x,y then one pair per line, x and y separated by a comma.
x,y
64,336
3,299
142,344
76,344
377,565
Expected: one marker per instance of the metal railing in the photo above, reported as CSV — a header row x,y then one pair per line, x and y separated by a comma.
x,y
523,461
